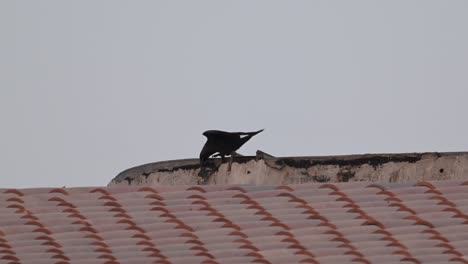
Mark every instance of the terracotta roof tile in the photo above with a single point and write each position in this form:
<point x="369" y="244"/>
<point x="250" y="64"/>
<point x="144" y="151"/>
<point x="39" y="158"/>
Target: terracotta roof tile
<point x="235" y="260"/>
<point x="338" y="259"/>
<point x="361" y="222"/>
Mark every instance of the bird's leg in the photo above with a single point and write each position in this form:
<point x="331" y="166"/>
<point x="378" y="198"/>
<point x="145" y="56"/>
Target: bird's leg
<point x="230" y="161"/>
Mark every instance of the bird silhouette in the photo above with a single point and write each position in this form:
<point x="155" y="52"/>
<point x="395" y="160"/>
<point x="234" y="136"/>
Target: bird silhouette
<point x="223" y="143"/>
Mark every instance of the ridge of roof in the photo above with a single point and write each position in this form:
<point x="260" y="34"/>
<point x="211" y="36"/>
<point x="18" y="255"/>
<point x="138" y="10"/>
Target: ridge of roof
<point x="394" y="167"/>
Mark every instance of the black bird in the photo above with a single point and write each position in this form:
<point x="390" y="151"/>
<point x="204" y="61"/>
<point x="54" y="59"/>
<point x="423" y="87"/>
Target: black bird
<point x="223" y="143"/>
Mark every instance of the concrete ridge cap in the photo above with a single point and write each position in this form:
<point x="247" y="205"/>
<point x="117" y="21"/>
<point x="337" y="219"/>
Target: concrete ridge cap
<point x="373" y="159"/>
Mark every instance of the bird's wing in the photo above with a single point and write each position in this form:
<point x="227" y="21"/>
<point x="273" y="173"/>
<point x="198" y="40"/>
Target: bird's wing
<point x="247" y="133"/>
<point x="216" y="134"/>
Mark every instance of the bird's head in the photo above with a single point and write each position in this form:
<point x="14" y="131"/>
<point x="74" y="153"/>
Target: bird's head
<point x="210" y="133"/>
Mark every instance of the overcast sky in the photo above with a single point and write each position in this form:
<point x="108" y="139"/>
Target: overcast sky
<point x="90" y="88"/>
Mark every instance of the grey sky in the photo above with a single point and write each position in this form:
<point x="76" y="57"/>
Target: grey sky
<point x="89" y="88"/>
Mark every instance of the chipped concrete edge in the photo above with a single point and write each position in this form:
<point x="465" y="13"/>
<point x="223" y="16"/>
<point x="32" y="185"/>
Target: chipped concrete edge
<point x="265" y="169"/>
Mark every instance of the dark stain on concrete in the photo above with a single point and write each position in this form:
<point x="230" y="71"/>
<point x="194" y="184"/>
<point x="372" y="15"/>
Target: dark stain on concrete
<point x="184" y="167"/>
<point x="211" y="164"/>
<point x="374" y="161"/>
<point x="345" y="175"/>
<point x="306" y="177"/>
<point x="129" y="179"/>
<point x="321" y="178"/>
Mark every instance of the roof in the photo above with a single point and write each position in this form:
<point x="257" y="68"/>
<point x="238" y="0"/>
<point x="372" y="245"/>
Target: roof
<point x="358" y="222"/>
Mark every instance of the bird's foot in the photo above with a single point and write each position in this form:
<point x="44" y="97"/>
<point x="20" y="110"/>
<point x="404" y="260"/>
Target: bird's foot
<point x="230" y="162"/>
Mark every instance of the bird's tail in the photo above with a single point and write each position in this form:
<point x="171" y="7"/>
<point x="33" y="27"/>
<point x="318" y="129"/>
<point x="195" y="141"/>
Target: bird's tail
<point x="249" y="135"/>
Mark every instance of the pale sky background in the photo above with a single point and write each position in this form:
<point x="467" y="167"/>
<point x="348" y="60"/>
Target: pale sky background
<point x="90" y="88"/>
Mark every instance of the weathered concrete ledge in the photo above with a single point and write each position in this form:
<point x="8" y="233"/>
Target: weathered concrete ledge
<point x="264" y="169"/>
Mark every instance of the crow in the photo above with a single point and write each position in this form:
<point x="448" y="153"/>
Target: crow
<point x="223" y="143"/>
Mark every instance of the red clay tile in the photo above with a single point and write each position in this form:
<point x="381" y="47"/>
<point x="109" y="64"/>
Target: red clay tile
<point x="325" y="223"/>
<point x="251" y="188"/>
<point x="306" y="186"/>
<point x="236" y="260"/>
<point x="451" y="189"/>
<point x="438" y="184"/>
<point x="364" y="191"/>
<point x="336" y="259"/>
<point x="226" y="201"/>
<point x="434" y="258"/>
<point x="364" y="198"/>
<point x="282" y="256"/>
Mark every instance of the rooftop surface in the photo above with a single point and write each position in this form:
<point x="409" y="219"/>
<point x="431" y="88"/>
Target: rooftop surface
<point x="354" y="222"/>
